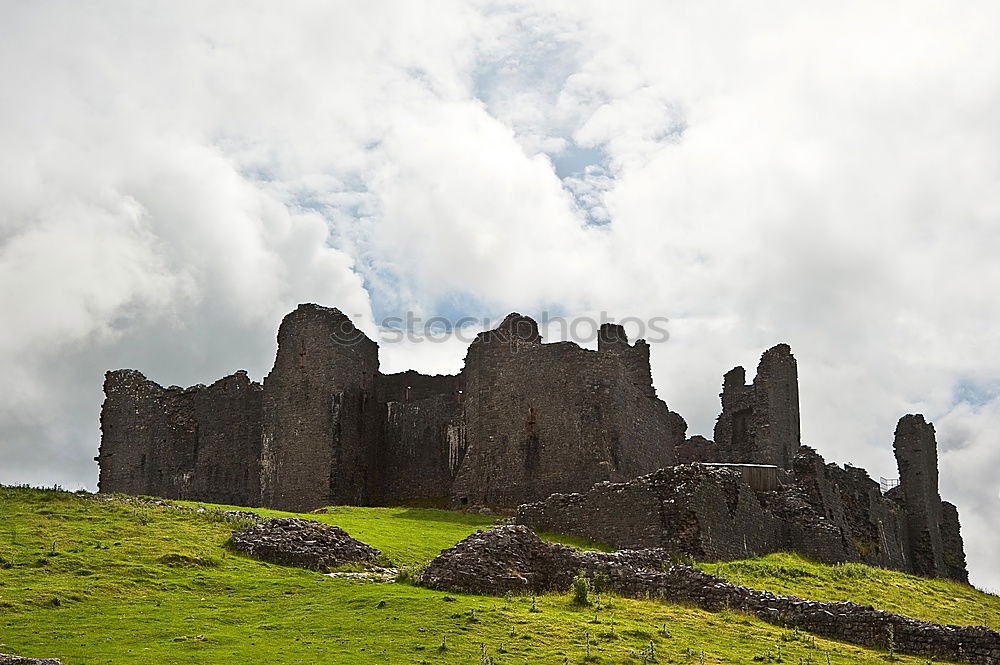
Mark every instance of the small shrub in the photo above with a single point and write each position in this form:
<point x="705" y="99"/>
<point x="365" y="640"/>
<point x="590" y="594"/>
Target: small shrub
<point x="176" y="560"/>
<point x="601" y="583"/>
<point x="679" y="559"/>
<point x="411" y="575"/>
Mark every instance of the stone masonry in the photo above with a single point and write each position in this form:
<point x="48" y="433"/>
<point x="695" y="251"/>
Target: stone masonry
<point x="579" y="436"/>
<point x="826" y="512"/>
<point x="522" y="420"/>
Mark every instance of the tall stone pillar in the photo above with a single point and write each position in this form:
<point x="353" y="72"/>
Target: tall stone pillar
<point x="915" y="447"/>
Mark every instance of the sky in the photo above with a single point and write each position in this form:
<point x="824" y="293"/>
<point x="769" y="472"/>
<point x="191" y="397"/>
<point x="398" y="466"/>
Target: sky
<point x="176" y="176"/>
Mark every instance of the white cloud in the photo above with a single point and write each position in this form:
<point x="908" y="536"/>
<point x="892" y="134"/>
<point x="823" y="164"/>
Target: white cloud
<point x="174" y="180"/>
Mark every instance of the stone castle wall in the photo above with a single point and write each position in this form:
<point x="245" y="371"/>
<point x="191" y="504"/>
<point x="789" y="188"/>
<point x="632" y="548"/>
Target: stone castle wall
<point x="524" y="422"/>
<point x="543" y="418"/>
<point x="825" y="512"/>
<point x="200" y="442"/>
<point x="320" y="427"/>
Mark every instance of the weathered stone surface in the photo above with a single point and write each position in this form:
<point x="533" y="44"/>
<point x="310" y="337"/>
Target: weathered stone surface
<point x="320" y="413"/>
<point x="512" y="558"/>
<point x="708" y="513"/>
<point x="543" y="418"/>
<point x="196" y="443"/>
<point x="8" y="659"/>
<point x="523" y="422"/>
<point x="825" y="512"/>
<point x="759" y="423"/>
<point x="297" y="542"/>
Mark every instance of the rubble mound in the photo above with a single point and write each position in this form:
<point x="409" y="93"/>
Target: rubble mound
<point x="513" y="558"/>
<point x="8" y="659"/>
<point x="292" y="541"/>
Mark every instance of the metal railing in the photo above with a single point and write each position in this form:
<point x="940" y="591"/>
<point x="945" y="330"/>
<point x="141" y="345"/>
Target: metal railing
<point x="888" y="483"/>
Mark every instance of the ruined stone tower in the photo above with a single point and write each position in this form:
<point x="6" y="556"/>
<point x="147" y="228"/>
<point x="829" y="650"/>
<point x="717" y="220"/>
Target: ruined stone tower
<point x="543" y="418"/>
<point x="932" y="525"/>
<point x="759" y="423"/>
<point x="320" y="424"/>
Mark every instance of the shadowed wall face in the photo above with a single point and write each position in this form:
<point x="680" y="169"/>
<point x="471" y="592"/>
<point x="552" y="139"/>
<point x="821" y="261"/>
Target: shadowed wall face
<point x="194" y="443"/>
<point x="320" y="413"/>
<point x="915" y="446"/>
<point x="759" y="423"/>
<point x="544" y="418"/>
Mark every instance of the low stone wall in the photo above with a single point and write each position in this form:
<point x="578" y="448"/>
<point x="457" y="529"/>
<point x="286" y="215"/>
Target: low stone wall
<point x="292" y="541"/>
<point x="512" y="558"/>
<point x="8" y="659"/>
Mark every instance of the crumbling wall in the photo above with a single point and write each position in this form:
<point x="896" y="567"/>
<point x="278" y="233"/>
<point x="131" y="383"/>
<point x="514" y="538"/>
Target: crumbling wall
<point x="954" y="547"/>
<point x="410" y="386"/>
<point x="708" y="513"/>
<point x="148" y="436"/>
<point x="422" y="440"/>
<point x="826" y="513"/>
<point x="872" y="525"/>
<point x="759" y="423"/>
<point x="544" y="418"/>
<point x="512" y="559"/>
<point x="227" y="460"/>
<point x="696" y="449"/>
<point x="194" y="443"/>
<point x="320" y="418"/>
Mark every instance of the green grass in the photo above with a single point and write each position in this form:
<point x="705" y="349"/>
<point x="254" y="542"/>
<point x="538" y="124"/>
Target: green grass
<point x="941" y="601"/>
<point x="96" y="581"/>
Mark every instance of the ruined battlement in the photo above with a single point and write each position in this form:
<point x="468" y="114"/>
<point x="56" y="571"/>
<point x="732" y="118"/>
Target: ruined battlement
<point x="521" y="420"/>
<point x="526" y="422"/>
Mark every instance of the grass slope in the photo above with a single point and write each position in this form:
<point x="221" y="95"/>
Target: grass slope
<point x="92" y="580"/>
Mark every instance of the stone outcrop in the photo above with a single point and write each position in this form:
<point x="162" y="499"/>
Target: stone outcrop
<point x="514" y="559"/>
<point x="304" y="543"/>
<point x="8" y="659"/>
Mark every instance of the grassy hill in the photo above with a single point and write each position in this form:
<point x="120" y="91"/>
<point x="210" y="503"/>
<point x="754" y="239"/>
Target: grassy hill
<point x="97" y="580"/>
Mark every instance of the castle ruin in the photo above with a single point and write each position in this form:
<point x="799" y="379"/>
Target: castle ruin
<point x="577" y="438"/>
